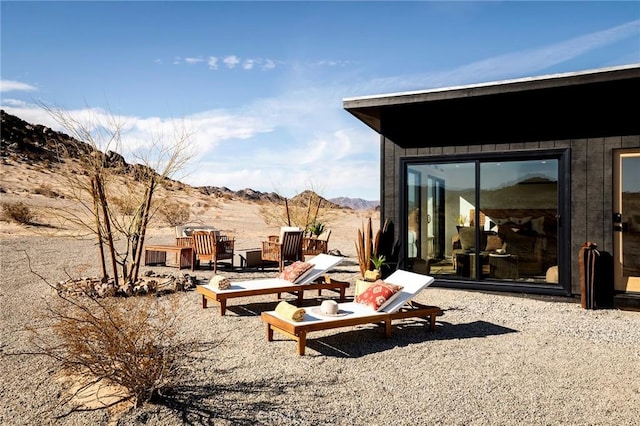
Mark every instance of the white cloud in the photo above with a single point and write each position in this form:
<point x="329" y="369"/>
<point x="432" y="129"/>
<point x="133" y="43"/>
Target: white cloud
<point x="248" y="64"/>
<point x="268" y="64"/>
<point x="231" y="61"/>
<point x="15" y="86"/>
<point x="304" y="136"/>
<point x="521" y="63"/>
<point x="193" y="60"/>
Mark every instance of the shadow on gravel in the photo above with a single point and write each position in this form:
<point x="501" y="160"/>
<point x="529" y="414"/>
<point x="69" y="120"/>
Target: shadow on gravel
<point x="366" y="340"/>
<point x="240" y="403"/>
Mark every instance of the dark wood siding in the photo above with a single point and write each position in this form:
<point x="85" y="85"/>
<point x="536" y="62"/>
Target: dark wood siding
<point x="591" y="184"/>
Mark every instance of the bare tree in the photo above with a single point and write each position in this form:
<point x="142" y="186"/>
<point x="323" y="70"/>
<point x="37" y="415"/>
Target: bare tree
<point x="114" y="201"/>
<point x="304" y="210"/>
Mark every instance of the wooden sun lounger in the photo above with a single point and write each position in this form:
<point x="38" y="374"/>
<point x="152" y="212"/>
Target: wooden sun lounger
<point x="311" y="281"/>
<point x="360" y="315"/>
<point x="356" y="314"/>
<point x="268" y="286"/>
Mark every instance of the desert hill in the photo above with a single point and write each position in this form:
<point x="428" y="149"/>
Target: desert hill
<point x="35" y="144"/>
<point x="32" y="173"/>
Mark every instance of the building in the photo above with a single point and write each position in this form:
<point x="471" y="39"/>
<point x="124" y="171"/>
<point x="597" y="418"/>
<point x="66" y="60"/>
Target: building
<point x="497" y="186"/>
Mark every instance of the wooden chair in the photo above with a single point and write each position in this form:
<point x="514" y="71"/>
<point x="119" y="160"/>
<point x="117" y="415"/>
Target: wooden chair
<point x="312" y="246"/>
<point x="208" y="247"/>
<point x="287" y="248"/>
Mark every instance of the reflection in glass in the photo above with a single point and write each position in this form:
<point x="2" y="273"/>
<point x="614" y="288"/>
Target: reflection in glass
<point x="511" y="236"/>
<point x="518" y="217"/>
<point x="439" y="199"/>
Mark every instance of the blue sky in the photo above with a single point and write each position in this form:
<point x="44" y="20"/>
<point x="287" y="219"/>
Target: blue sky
<point x="262" y="83"/>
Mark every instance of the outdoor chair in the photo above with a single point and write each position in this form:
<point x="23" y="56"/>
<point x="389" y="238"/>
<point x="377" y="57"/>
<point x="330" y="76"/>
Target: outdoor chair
<point x="210" y="248"/>
<point x="286" y="248"/>
<point x="316" y="245"/>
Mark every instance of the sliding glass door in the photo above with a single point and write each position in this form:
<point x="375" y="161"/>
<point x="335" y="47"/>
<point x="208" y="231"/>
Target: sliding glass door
<point x="490" y="219"/>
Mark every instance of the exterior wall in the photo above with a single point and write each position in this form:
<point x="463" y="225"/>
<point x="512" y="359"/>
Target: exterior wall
<point x="591" y="185"/>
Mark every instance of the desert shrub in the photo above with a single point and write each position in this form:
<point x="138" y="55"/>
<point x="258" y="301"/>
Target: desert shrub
<point x="18" y="212"/>
<point x="130" y="343"/>
<point x="125" y="205"/>
<point x="175" y="213"/>
<point x="304" y="210"/>
<point x="46" y="191"/>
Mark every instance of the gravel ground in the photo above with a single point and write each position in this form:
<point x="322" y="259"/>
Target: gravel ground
<point x="494" y="359"/>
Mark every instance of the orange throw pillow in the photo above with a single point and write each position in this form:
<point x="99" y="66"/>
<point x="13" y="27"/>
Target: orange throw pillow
<point x="377" y="294"/>
<point x="295" y="271"/>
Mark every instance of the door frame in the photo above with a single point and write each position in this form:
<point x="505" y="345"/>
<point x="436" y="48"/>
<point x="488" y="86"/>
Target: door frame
<point x="620" y="282"/>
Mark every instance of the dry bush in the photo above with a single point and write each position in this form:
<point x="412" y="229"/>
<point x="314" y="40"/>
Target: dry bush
<point x="304" y="210"/>
<point x="17" y="212"/>
<point x="47" y="191"/>
<point x="175" y="212"/>
<point x="126" y="206"/>
<point x="128" y="343"/>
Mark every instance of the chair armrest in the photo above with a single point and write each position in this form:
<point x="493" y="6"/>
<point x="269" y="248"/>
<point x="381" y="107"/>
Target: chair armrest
<point x="184" y="241"/>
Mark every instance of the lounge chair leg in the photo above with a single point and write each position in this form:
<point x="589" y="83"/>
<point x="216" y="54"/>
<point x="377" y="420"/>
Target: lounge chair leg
<point x="387" y="328"/>
<point x="223" y="306"/>
<point x="432" y="325"/>
<point x="204" y="302"/>
<point x="302" y="343"/>
<point x="269" y="333"/>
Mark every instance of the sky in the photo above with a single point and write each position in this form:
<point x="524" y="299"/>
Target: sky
<point x="260" y="85"/>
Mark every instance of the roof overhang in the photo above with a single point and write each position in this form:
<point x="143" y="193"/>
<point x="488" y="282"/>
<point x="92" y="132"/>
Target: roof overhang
<point x="586" y="104"/>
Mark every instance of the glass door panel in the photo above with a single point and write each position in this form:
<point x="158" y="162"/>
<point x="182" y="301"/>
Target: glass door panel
<point x="438" y="196"/>
<point x="518" y="218"/>
<point x="626" y="221"/>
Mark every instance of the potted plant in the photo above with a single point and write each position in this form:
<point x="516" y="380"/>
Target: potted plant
<point x="316" y="228"/>
<point x="378" y="261"/>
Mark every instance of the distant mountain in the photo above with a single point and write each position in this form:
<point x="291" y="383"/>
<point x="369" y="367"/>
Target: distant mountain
<point x="356" y="203"/>
<point x="33" y="144"/>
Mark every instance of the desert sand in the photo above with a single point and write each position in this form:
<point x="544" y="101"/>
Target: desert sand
<point x="493" y="359"/>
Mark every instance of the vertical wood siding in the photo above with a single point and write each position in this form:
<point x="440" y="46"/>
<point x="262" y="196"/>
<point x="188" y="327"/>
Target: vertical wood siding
<point x="591" y="185"/>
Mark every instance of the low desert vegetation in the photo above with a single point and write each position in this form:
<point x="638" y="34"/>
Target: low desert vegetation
<point x="47" y="191"/>
<point x="131" y="344"/>
<point x="18" y="212"/>
<point x="118" y="200"/>
<point x="175" y="212"/>
<point x="307" y="210"/>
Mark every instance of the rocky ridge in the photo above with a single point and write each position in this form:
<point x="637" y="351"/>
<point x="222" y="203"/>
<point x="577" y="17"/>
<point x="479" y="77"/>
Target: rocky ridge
<point x="27" y="143"/>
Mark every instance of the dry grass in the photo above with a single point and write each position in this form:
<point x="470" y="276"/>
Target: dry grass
<point x="126" y="343"/>
<point x="17" y="212"/>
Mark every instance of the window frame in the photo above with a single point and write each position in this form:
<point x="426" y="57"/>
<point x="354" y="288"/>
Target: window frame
<point x="563" y="156"/>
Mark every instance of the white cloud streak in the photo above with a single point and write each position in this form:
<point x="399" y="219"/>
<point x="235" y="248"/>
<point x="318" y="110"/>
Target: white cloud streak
<point x="522" y="63"/>
<point x="285" y="142"/>
<point x="15" y="86"/>
<point x="247" y="64"/>
<point x="231" y="61"/>
<point x="192" y="61"/>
